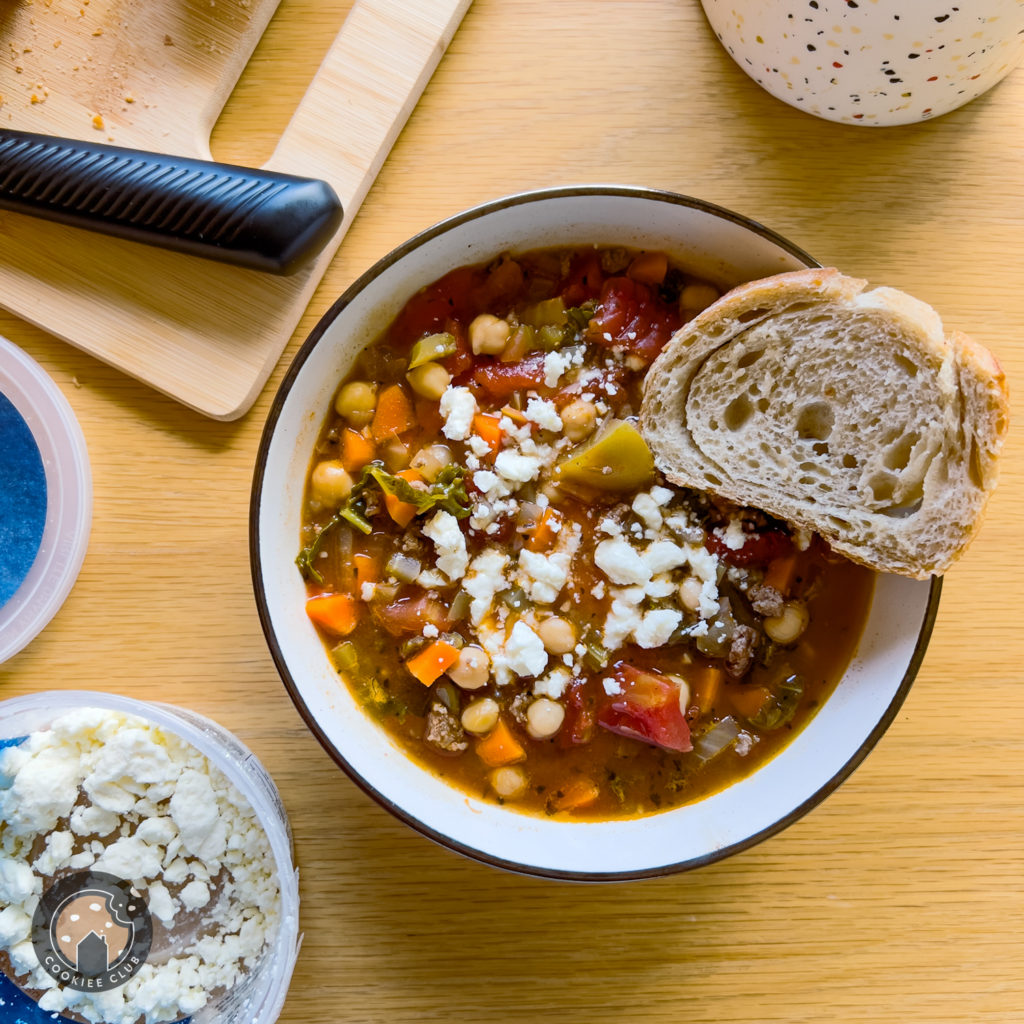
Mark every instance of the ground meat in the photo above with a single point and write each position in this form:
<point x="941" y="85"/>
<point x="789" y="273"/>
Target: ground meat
<point x="766" y="600"/>
<point x="444" y="731"/>
<point x="518" y="707"/>
<point x="742" y="648"/>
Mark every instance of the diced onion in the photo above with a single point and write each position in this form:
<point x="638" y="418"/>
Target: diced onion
<point x="721" y="735"/>
<point x="404" y="568"/>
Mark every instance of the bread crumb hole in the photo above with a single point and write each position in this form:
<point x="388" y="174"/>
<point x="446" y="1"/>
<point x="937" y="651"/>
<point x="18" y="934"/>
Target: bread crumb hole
<point x="762" y="405"/>
<point x="815" y="421"/>
<point x="882" y="486"/>
<point x="850" y="461"/>
<point x="749" y="359"/>
<point x="821" y="448"/>
<point x="898" y="454"/>
<point x="737" y="412"/>
<point x="906" y="365"/>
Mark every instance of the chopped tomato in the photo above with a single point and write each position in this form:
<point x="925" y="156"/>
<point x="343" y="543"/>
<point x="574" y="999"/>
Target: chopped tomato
<point x="580" y="716"/>
<point x="451" y="298"/>
<point x="503" y="379"/>
<point x="462" y="358"/>
<point x="758" y="548"/>
<point x="584" y="279"/>
<point x="408" y="615"/>
<point x="632" y="317"/>
<point x="647" y="709"/>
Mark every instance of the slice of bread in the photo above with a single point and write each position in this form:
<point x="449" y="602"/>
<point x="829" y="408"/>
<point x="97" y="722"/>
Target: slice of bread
<point x="842" y="410"/>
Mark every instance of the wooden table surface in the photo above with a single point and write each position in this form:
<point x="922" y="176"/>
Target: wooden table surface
<point x="901" y="898"/>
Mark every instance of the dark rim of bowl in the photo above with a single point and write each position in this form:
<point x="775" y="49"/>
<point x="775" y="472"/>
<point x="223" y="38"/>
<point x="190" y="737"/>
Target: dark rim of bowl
<point x="474" y="213"/>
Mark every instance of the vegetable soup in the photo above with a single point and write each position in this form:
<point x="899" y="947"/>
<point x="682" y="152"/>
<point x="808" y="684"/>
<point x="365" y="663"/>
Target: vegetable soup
<point x="509" y="586"/>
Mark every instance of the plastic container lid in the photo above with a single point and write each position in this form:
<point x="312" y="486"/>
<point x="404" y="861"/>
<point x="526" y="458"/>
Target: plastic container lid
<point x="45" y="499"/>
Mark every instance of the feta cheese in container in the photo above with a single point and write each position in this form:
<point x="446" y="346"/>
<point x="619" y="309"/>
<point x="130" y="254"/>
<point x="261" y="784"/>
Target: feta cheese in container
<point x="146" y="869"/>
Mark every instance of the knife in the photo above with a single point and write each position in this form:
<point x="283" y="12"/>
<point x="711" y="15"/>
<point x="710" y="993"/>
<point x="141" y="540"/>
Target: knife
<point x="257" y="219"/>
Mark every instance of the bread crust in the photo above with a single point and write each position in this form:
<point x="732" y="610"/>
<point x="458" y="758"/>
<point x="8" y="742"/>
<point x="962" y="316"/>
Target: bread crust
<point x="844" y="410"/>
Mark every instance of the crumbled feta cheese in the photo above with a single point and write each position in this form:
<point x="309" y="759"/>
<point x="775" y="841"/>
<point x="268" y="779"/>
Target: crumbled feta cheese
<point x="430" y="631"/>
<point x="544" y="575"/>
<point x="478" y="446"/>
<point x="490" y="484"/>
<point x="622" y="619"/>
<point x="610" y="527"/>
<point x="483" y="580"/>
<point x="611" y="686"/>
<point x="443" y="530"/>
<point x="657" y="626"/>
<point x="366" y="590"/>
<point x="662" y="495"/>
<point x="662" y="556"/>
<point x="543" y="413"/>
<point x="430" y="579"/>
<point x="517" y="468"/>
<point x="554" y="684"/>
<point x="648" y="510"/>
<point x="598" y="590"/>
<point x="703" y="563"/>
<point x="661" y="586"/>
<point x="733" y="535"/>
<point x="458" y="407"/>
<point x="524" y="651"/>
<point x="621" y="563"/>
<point x="555" y="364"/>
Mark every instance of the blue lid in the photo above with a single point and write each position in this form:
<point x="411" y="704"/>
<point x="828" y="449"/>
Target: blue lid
<point x="45" y="499"/>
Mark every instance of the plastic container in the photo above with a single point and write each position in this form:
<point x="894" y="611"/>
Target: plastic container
<point x="40" y="566"/>
<point x="259" y="996"/>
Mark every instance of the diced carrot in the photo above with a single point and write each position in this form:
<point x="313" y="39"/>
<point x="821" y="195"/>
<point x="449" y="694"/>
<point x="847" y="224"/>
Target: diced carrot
<point x="781" y="573"/>
<point x="489" y="428"/>
<point x="576" y="795"/>
<point x="434" y="659"/>
<point x="402" y="511"/>
<point x="337" y="613"/>
<point x="356" y="450"/>
<point x="544" y="533"/>
<point x="394" y="414"/>
<point x="705" y="684"/>
<point x="748" y="700"/>
<point x="648" y="268"/>
<point x="367" y="570"/>
<point x="499" y="747"/>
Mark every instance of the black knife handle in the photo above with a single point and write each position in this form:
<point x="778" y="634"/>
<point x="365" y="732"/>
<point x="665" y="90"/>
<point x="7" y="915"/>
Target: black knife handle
<point x="251" y="218"/>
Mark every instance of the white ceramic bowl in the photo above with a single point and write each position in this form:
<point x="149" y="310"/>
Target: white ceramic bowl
<point x="721" y="246"/>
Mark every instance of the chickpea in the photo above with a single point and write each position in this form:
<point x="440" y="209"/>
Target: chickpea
<point x="481" y="716"/>
<point x="557" y="635"/>
<point x="356" y="402"/>
<point x="473" y="668"/>
<point x="508" y="782"/>
<point x="787" y="626"/>
<point x="429" y="380"/>
<point x="689" y="593"/>
<point x="488" y="334"/>
<point x="697" y="296"/>
<point x="331" y="482"/>
<point x="544" y="718"/>
<point x="429" y="461"/>
<point x="579" y="419"/>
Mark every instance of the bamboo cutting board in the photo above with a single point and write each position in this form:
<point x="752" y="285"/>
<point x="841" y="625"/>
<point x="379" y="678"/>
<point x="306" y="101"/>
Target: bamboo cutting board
<point x="155" y="76"/>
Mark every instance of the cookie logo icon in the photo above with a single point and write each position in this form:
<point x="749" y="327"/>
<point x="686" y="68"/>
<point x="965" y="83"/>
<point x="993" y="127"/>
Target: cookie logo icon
<point x="91" y="931"/>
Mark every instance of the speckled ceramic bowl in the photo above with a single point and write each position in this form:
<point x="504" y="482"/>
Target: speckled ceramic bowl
<point x="872" y="62"/>
<point x="719" y="245"/>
